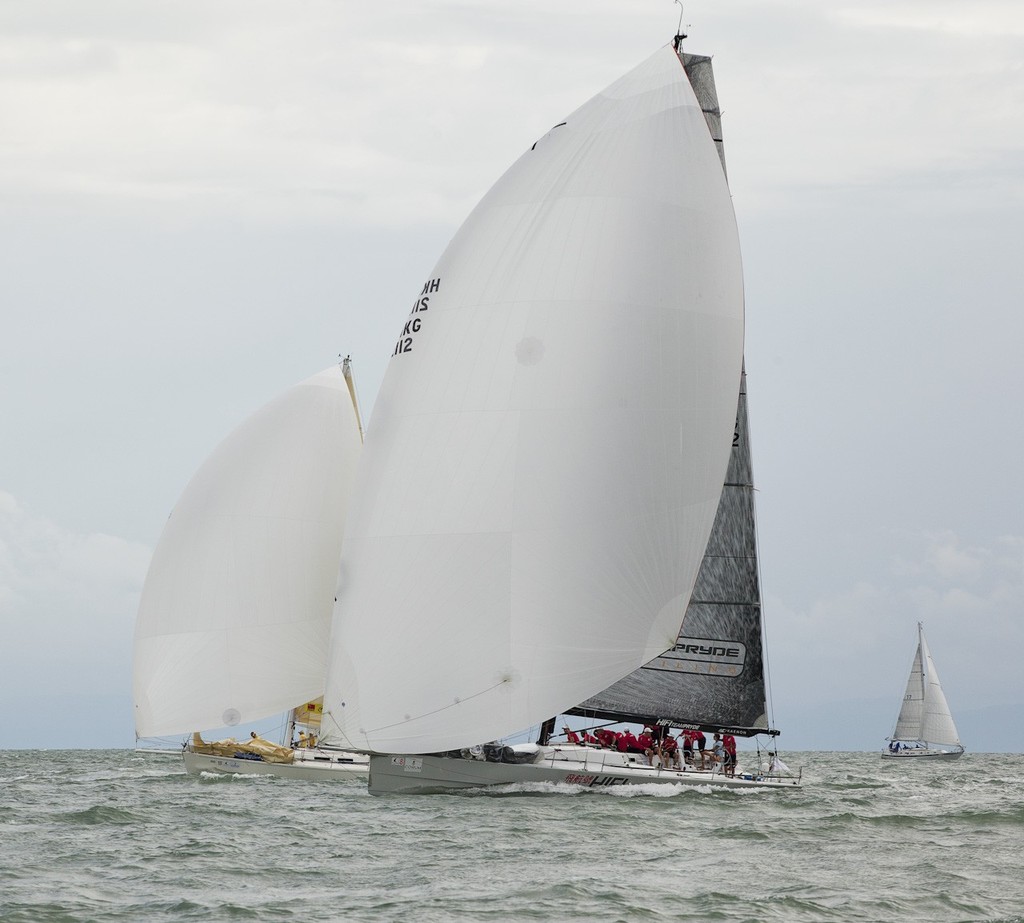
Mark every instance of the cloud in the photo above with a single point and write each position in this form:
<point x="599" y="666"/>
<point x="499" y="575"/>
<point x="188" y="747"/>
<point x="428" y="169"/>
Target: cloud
<point x="857" y="641"/>
<point x="981" y="588"/>
<point x="375" y="115"/>
<point x="67" y="606"/>
<point x="333" y="113"/>
<point x="944" y="558"/>
<point x="992" y="18"/>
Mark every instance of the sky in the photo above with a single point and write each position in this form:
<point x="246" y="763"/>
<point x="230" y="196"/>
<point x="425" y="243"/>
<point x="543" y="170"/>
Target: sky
<point x="204" y="203"/>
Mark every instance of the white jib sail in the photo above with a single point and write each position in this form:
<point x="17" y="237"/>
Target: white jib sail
<point x="235" y="612"/>
<point x="937" y="723"/>
<point x="548" y="447"/>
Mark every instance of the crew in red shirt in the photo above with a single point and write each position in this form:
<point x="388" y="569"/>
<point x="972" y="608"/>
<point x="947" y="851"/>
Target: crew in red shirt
<point x="688" y="746"/>
<point x="729" y="745"/>
<point x="627" y="743"/>
<point x="701" y="741"/>
<point x="670" y="752"/>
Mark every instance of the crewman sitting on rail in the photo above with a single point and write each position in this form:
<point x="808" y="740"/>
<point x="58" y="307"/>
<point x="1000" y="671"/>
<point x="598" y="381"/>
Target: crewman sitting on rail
<point x="670" y="753"/>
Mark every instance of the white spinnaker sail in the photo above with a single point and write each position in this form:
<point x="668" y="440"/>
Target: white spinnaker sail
<point x="547" y="450"/>
<point x="937" y="723"/>
<point x="235" y="612"/>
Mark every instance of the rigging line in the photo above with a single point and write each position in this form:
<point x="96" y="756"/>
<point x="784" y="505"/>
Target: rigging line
<point x="766" y="670"/>
<point x="437" y="711"/>
<point x="341" y="732"/>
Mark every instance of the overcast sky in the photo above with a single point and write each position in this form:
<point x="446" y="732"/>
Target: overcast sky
<point x="206" y="202"/>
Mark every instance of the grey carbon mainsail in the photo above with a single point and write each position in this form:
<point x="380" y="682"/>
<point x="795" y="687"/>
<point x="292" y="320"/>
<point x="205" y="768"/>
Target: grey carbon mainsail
<point x="702" y="79"/>
<point x="714" y="678"/>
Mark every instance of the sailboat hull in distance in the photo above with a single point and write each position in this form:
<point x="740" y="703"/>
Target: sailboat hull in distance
<point x="925" y="727"/>
<point x="311" y="766"/>
<point x="572" y="765"/>
<point x="235" y="612"/>
<point x="922" y="753"/>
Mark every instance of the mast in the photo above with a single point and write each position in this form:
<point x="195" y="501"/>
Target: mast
<point x="346" y="372"/>
<point x="922" y="651"/>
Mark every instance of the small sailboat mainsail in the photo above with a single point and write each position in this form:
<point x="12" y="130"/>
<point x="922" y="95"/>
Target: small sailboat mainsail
<point x="233" y="622"/>
<point x="925" y="725"/>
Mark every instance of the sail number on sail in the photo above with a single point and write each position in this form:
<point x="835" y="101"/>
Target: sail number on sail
<point x="415" y="324"/>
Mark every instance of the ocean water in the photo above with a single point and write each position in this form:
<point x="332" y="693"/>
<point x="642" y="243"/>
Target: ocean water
<point x="113" y="835"/>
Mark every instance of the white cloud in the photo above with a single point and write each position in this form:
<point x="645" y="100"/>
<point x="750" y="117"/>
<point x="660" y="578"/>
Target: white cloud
<point x="857" y="641"/>
<point x="377" y="114"/>
<point x="993" y="18"/>
<point x="944" y="558"/>
<point x="67" y="606"/>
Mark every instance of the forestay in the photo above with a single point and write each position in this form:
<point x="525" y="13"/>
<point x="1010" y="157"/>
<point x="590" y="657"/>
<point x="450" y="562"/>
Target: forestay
<point x="235" y="612"/>
<point x="547" y="451"/>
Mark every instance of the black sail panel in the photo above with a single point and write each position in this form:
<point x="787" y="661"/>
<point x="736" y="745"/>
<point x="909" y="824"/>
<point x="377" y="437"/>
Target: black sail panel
<point x="714" y="676"/>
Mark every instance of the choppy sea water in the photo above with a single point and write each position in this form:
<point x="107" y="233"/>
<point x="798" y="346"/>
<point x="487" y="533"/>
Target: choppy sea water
<point x="113" y="835"/>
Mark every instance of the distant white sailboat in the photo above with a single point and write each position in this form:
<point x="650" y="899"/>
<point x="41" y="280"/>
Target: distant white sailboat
<point x="535" y="500"/>
<point x="924" y="728"/>
<point x="235" y="613"/>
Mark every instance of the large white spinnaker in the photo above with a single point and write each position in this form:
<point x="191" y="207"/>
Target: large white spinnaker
<point x="548" y="448"/>
<point x="235" y="612"/>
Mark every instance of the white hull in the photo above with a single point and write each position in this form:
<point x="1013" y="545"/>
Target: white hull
<point x="560" y="765"/>
<point x="315" y="765"/>
<point x="922" y="753"/>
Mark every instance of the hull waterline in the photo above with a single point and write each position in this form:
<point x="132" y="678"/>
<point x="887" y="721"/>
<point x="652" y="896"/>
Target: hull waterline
<point x="560" y="766"/>
<point x="313" y="765"/>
